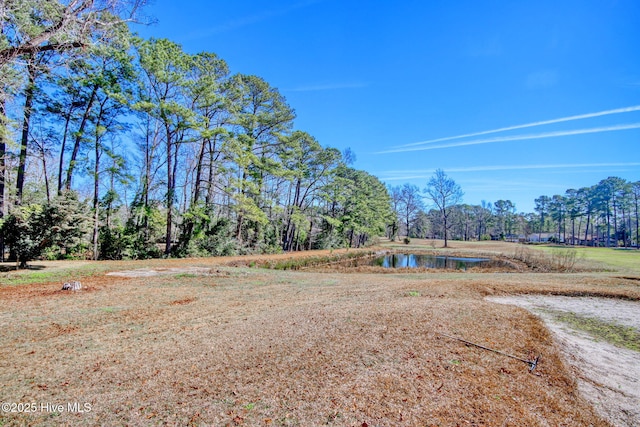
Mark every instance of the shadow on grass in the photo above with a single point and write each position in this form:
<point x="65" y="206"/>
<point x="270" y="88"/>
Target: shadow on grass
<point x="6" y="267"/>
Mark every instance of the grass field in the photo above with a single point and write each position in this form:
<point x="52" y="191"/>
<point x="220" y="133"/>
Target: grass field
<point x="613" y="258"/>
<point x="249" y="346"/>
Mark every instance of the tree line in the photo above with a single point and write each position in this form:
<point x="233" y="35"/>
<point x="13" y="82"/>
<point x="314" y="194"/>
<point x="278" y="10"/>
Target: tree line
<point x="113" y="146"/>
<point x="605" y="214"/>
<point x="149" y="150"/>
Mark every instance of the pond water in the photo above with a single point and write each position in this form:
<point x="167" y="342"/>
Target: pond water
<point x="428" y="261"/>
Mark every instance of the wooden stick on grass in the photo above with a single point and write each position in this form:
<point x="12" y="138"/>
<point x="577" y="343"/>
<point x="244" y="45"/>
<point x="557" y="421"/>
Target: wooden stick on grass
<point x="532" y="363"/>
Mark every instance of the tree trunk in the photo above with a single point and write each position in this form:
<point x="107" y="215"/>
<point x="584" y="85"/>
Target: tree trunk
<point x="46" y="175"/>
<point x="290" y="233"/>
<point x="586" y="231"/>
<point x="615" y="222"/>
<point x="96" y="186"/>
<point x="196" y="184"/>
<point x="309" y="242"/>
<point x="3" y="148"/>
<point x="608" y="225"/>
<point x="624" y="227"/>
<point x="79" y="135"/>
<point x="579" y="228"/>
<point x="444" y="220"/>
<point x="213" y="157"/>
<point x="63" y="145"/>
<point x="288" y="228"/>
<point x="188" y="226"/>
<point x="96" y="190"/>
<point x="170" y="193"/>
<point x="146" y="184"/>
<point x="635" y="196"/>
<point x="240" y="218"/>
<point x="28" y="105"/>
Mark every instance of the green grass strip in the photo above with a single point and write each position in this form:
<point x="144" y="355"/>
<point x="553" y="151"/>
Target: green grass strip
<point x="619" y="335"/>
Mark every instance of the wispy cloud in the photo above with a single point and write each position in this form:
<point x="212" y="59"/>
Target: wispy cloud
<point x="328" y="86"/>
<point x="528" y="125"/>
<point x="515" y="138"/>
<point x="495" y="185"/>
<point x="425" y="173"/>
<point x="249" y="20"/>
<point x="544" y="166"/>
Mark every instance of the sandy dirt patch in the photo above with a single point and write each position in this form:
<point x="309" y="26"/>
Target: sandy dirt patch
<point x="608" y="376"/>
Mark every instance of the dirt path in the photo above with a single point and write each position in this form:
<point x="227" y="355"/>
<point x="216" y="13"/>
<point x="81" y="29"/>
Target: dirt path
<point x="608" y="376"/>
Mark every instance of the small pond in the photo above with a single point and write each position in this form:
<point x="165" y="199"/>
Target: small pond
<point x="428" y="261"/>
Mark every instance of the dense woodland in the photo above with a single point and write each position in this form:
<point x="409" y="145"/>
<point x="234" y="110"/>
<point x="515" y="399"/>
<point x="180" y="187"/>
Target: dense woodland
<point x="113" y="146"/>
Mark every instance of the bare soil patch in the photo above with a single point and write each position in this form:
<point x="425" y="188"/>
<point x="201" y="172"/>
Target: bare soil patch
<point x="608" y="376"/>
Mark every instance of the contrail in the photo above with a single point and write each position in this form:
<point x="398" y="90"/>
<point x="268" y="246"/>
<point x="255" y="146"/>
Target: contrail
<point x="413" y="174"/>
<point x="516" y="138"/>
<point x="528" y="125"/>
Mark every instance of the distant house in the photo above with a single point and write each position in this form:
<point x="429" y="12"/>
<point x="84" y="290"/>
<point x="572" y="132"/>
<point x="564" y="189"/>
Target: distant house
<point x="544" y="238"/>
<point x="515" y="238"/>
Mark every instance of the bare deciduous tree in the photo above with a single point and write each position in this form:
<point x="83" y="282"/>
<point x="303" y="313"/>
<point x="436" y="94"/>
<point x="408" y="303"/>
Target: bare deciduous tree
<point x="445" y="193"/>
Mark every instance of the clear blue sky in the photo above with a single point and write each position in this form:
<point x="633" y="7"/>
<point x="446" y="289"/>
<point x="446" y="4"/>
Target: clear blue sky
<point x="379" y="75"/>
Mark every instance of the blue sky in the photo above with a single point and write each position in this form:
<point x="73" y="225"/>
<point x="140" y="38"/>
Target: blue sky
<point x="401" y="83"/>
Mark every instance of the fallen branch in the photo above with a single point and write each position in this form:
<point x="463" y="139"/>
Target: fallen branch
<point x="532" y="363"/>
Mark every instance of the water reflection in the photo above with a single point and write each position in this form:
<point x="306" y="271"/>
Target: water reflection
<point x="428" y="261"/>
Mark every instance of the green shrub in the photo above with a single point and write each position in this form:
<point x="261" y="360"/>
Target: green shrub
<point x="55" y="228"/>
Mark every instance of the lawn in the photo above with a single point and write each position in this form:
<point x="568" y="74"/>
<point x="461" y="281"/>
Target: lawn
<point x="620" y="259"/>
<point x="251" y="346"/>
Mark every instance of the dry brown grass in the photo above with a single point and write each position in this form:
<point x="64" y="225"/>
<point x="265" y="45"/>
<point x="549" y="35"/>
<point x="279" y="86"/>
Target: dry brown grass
<point x="261" y="347"/>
